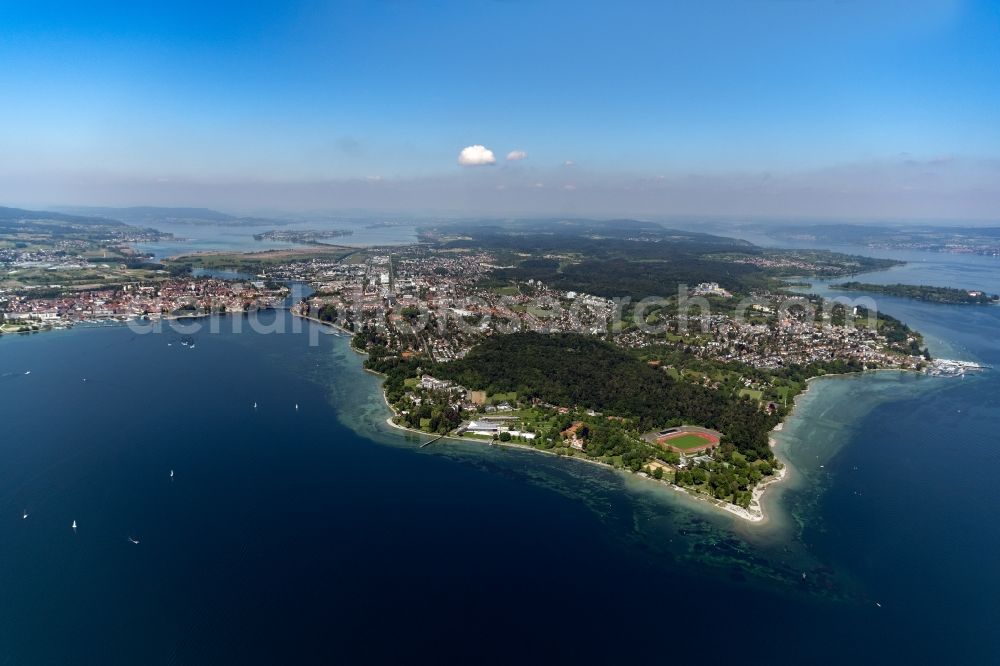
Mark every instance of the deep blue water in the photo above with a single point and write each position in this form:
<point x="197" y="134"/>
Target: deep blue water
<point x="314" y="535"/>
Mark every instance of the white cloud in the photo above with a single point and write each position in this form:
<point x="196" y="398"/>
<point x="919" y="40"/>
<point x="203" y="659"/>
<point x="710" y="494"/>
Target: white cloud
<point x="569" y="188"/>
<point x="568" y="163"/>
<point x="516" y="156"/>
<point x="476" y="156"/>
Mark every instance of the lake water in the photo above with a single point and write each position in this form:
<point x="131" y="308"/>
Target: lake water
<point x="191" y="238"/>
<point x="318" y="534"/>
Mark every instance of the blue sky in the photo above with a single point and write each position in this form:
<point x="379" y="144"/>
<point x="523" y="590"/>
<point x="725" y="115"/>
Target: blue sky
<point x="860" y="108"/>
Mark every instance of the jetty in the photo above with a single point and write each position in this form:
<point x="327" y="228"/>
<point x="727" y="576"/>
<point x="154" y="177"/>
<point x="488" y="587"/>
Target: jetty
<point x="431" y="441"/>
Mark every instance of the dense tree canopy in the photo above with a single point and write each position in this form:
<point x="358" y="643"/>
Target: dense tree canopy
<point x="575" y="370"/>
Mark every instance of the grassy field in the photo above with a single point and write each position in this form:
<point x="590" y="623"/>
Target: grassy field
<point x="497" y="398"/>
<point x="93" y="277"/>
<point x="241" y="260"/>
<point x="685" y="442"/>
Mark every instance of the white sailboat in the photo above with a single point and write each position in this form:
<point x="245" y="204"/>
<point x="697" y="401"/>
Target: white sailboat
<point x="25" y="516"/>
<point x="74" y="524"/>
<point x="134" y="540"/>
<point x="255" y="405"/>
<point x="296" y="406"/>
<point x="171" y="474"/>
<point x="27" y="372"/>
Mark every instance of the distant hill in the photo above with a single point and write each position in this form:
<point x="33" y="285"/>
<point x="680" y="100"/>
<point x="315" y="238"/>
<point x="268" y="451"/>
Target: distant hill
<point x="152" y="215"/>
<point x="10" y="215"/>
<point x="907" y="236"/>
<point x="581" y="235"/>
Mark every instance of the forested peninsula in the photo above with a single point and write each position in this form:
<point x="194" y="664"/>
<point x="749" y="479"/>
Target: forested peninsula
<point x="926" y="293"/>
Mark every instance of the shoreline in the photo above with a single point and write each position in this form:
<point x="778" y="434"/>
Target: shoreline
<point x="758" y="491"/>
<point x="719" y="504"/>
<point x="753" y="514"/>
<point x="126" y="320"/>
<point x="296" y="313"/>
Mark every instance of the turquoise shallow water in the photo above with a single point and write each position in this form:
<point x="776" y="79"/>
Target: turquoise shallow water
<point x="317" y="534"/>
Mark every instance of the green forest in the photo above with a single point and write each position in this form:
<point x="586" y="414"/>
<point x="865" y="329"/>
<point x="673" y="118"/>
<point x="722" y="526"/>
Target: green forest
<point x="923" y="293"/>
<point x="629" y="258"/>
<point x="574" y="370"/>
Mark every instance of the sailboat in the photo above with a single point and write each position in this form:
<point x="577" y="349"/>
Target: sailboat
<point x="74" y="524"/>
<point x="24" y="516"/>
<point x="255" y="405"/>
<point x="27" y="372"/>
<point x="171" y="474"/>
<point x="134" y="540"/>
<point x="296" y="406"/>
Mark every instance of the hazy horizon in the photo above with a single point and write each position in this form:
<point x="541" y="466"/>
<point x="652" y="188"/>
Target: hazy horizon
<point x="680" y="221"/>
<point x="823" y="109"/>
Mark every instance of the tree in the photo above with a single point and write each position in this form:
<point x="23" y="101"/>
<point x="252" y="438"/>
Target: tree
<point x="327" y="313"/>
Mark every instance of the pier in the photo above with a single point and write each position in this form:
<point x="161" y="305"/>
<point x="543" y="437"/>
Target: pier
<point x="431" y="441"/>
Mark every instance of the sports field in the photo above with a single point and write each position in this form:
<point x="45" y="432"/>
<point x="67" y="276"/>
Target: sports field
<point x="687" y="441"/>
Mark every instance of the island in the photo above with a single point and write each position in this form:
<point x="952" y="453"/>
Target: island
<point x="173" y="216"/>
<point x="924" y="293"/>
<point x="305" y="236"/>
